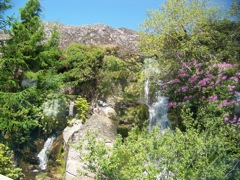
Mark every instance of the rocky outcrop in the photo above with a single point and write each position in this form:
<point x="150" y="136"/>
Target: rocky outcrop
<point x="122" y="39"/>
<point x="98" y="122"/>
<point x="97" y="34"/>
<point x="4" y="177"/>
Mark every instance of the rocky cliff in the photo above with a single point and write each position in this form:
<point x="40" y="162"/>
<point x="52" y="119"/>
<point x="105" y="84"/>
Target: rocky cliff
<point x="97" y="34"/>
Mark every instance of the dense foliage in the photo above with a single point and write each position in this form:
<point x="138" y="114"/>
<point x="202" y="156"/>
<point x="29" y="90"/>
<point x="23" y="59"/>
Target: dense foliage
<point x="6" y="163"/>
<point x="197" y="84"/>
<point x="82" y="107"/>
<point x="4" y="5"/>
<point x="195" y="46"/>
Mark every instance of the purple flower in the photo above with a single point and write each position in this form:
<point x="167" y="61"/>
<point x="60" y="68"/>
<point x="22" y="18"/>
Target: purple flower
<point x="184" y="89"/>
<point x="203" y="97"/>
<point x="198" y="64"/>
<point x="226" y="103"/>
<point x="224" y="77"/>
<point x="182" y="74"/>
<point x="235" y="117"/>
<point x="212" y="98"/>
<point x="193" y="79"/>
<point x="231" y="88"/>
<point x="212" y="84"/>
<point x="170" y="105"/>
<point x="204" y="89"/>
<point x="200" y="72"/>
<point x="218" y="81"/>
<point x="226" y="119"/>
<point x="175" y="81"/>
<point x="203" y="82"/>
<point x="165" y="86"/>
<point x="185" y="97"/>
<point x="234" y="79"/>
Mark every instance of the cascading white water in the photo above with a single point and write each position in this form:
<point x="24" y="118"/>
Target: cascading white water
<point x="158" y="114"/>
<point x="43" y="154"/>
<point x="71" y="106"/>
<point x="154" y="100"/>
<point x="51" y="108"/>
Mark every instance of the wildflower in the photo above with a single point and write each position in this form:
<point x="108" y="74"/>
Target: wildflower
<point x="226" y="119"/>
<point x="193" y="79"/>
<point x="231" y="88"/>
<point x="203" y="82"/>
<point x="226" y="103"/>
<point x="165" y="86"/>
<point x="212" y="84"/>
<point x="235" y="117"/>
<point x="184" y="89"/>
<point x="175" y="81"/>
<point x="182" y="74"/>
<point x="198" y="64"/>
<point x="203" y="97"/>
<point x="212" y="98"/>
<point x="224" y="77"/>
<point x="234" y="79"/>
<point x="170" y="105"/>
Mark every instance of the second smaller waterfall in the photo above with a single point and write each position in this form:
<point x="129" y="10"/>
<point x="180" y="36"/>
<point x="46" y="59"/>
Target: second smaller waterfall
<point x="43" y="155"/>
<point x="71" y="106"/>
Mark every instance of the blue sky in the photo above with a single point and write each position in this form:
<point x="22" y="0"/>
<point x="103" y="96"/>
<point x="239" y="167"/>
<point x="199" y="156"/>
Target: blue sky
<point x="115" y="13"/>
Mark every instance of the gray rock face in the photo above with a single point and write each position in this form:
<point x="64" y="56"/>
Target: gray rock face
<point x="123" y="39"/>
<point x="4" y="177"/>
<point x="98" y="122"/>
<point x="97" y="34"/>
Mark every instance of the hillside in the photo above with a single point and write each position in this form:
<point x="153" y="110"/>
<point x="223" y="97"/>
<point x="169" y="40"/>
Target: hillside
<point x="97" y="34"/>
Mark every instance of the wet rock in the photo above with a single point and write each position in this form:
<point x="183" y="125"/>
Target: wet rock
<point x="98" y="122"/>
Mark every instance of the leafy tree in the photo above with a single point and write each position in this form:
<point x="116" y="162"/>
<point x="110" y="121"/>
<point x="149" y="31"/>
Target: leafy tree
<point x="82" y="63"/>
<point x="114" y="72"/>
<point x="192" y="154"/>
<point x="6" y="163"/>
<point x="28" y="56"/>
<point x="190" y="29"/>
<point x="80" y="66"/>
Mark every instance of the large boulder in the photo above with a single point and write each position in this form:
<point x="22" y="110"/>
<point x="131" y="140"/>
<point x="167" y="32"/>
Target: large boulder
<point x="2" y="177"/>
<point x="98" y="122"/>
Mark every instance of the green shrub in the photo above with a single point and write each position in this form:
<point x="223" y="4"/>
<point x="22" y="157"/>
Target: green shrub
<point x="6" y="164"/>
<point x="82" y="106"/>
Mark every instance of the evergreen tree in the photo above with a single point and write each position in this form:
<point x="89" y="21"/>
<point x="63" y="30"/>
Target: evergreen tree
<point x="4" y="5"/>
<point x="27" y="56"/>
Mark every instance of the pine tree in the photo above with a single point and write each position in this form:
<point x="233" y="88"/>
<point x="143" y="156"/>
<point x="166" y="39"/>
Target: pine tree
<point x="27" y="56"/>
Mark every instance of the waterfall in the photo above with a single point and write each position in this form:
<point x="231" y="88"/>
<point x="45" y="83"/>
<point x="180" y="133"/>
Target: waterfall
<point x="71" y="106"/>
<point x="153" y="98"/>
<point x="51" y="108"/>
<point x="43" y="154"/>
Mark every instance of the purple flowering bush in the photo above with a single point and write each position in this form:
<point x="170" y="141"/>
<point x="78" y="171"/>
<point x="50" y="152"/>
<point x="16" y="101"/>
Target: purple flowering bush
<point x="197" y="84"/>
